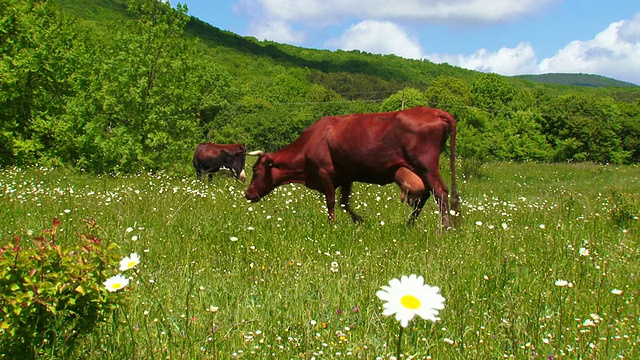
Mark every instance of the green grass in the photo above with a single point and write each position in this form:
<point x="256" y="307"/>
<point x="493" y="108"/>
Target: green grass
<point x="271" y="293"/>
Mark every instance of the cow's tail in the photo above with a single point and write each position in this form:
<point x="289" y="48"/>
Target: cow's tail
<point x="455" y="195"/>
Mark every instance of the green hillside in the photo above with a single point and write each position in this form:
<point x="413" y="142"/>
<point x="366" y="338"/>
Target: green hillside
<point x="383" y="72"/>
<point x="386" y="71"/>
<point x="120" y="85"/>
<point x="577" y="80"/>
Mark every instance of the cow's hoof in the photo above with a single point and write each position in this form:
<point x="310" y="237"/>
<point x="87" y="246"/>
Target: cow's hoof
<point x="357" y="219"/>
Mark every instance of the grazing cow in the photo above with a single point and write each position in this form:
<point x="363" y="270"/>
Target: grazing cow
<point x="371" y="148"/>
<point x="210" y="158"/>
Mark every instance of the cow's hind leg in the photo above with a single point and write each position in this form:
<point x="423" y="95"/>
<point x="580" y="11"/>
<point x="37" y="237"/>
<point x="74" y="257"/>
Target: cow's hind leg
<point x="345" y="194"/>
<point x="413" y="190"/>
<point x="441" y="193"/>
<point x="418" y="204"/>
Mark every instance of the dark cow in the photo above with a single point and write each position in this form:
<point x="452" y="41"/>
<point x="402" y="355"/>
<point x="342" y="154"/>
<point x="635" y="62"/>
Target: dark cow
<point x="380" y="148"/>
<point x="210" y="158"/>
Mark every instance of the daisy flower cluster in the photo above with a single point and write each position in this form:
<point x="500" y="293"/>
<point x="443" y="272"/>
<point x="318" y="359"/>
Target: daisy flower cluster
<point x="119" y="281"/>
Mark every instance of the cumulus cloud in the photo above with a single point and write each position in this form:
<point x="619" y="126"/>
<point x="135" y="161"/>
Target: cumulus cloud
<point x="407" y="10"/>
<point x="277" y="31"/>
<point x="506" y="61"/>
<point x="615" y="52"/>
<point x="378" y="37"/>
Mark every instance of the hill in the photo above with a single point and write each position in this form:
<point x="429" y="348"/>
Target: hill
<point x="124" y="85"/>
<point x="588" y="80"/>
<point x="384" y="72"/>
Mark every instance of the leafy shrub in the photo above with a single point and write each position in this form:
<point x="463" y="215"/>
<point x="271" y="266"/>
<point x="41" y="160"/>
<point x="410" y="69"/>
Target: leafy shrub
<point x="52" y="295"/>
<point x="404" y="99"/>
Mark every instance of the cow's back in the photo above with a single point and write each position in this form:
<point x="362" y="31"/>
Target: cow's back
<point x="371" y="147"/>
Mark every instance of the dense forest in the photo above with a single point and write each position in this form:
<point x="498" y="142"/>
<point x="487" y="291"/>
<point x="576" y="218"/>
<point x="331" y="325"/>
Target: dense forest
<point x="111" y="86"/>
<point x="577" y="79"/>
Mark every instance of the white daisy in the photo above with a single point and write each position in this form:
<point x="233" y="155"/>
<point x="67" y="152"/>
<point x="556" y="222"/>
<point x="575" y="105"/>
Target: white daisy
<point x="116" y="283"/>
<point x="129" y="261"/>
<point x="408" y="297"/>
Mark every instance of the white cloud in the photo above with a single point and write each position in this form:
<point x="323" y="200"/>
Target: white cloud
<point x="506" y="61"/>
<point x="277" y="31"/>
<point x="615" y="52"/>
<point x="409" y="10"/>
<point x="378" y="37"/>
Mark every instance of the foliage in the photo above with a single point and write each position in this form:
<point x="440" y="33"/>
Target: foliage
<point x="36" y="71"/>
<point x="492" y="93"/>
<point x="517" y="137"/>
<point x="148" y="97"/>
<point x="52" y="295"/>
<point x="629" y="129"/>
<point x="584" y="128"/>
<point x="135" y="101"/>
<point x="112" y="86"/>
<point x="355" y="86"/>
<point x="577" y="79"/>
<point x="404" y="99"/>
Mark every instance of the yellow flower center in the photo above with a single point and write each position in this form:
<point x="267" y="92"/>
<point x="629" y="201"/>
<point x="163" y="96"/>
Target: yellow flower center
<point x="116" y="286"/>
<point x="131" y="264"/>
<point x="410" y="302"/>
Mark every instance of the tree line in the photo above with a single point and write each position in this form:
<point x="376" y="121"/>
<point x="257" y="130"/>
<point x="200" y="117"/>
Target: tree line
<point x="135" y="93"/>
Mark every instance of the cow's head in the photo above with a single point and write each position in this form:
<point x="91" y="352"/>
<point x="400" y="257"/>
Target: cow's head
<point x="262" y="182"/>
<point x="235" y="161"/>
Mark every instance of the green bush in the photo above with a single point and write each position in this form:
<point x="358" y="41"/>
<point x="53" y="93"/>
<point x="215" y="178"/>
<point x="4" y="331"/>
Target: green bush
<point x="52" y="295"/>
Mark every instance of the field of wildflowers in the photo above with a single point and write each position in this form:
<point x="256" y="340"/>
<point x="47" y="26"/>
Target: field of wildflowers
<point x="544" y="263"/>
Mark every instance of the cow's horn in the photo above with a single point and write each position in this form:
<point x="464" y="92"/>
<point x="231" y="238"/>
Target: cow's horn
<point x="256" y="153"/>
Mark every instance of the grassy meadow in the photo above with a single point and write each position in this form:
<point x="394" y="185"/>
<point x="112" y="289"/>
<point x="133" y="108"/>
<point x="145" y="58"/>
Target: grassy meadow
<point x="544" y="263"/>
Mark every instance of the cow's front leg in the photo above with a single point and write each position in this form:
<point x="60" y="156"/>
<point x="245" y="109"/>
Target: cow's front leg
<point x="344" y="201"/>
<point x="330" y="196"/>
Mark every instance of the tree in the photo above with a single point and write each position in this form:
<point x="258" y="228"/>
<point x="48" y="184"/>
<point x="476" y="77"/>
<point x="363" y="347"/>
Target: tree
<point x="491" y="93"/>
<point x="147" y="94"/>
<point x="629" y="130"/>
<point x="36" y="75"/>
<point x="517" y="137"/>
<point x="404" y="99"/>
<point x="454" y="96"/>
<point x="584" y="128"/>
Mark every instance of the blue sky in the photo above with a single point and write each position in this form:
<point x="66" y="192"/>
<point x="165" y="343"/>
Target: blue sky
<point x="508" y="37"/>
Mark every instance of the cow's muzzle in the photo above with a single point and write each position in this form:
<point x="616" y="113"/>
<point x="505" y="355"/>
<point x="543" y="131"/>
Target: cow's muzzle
<point x="252" y="196"/>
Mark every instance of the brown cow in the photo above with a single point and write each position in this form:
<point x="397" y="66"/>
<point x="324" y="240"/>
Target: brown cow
<point x="209" y="158"/>
<point x="371" y="148"/>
